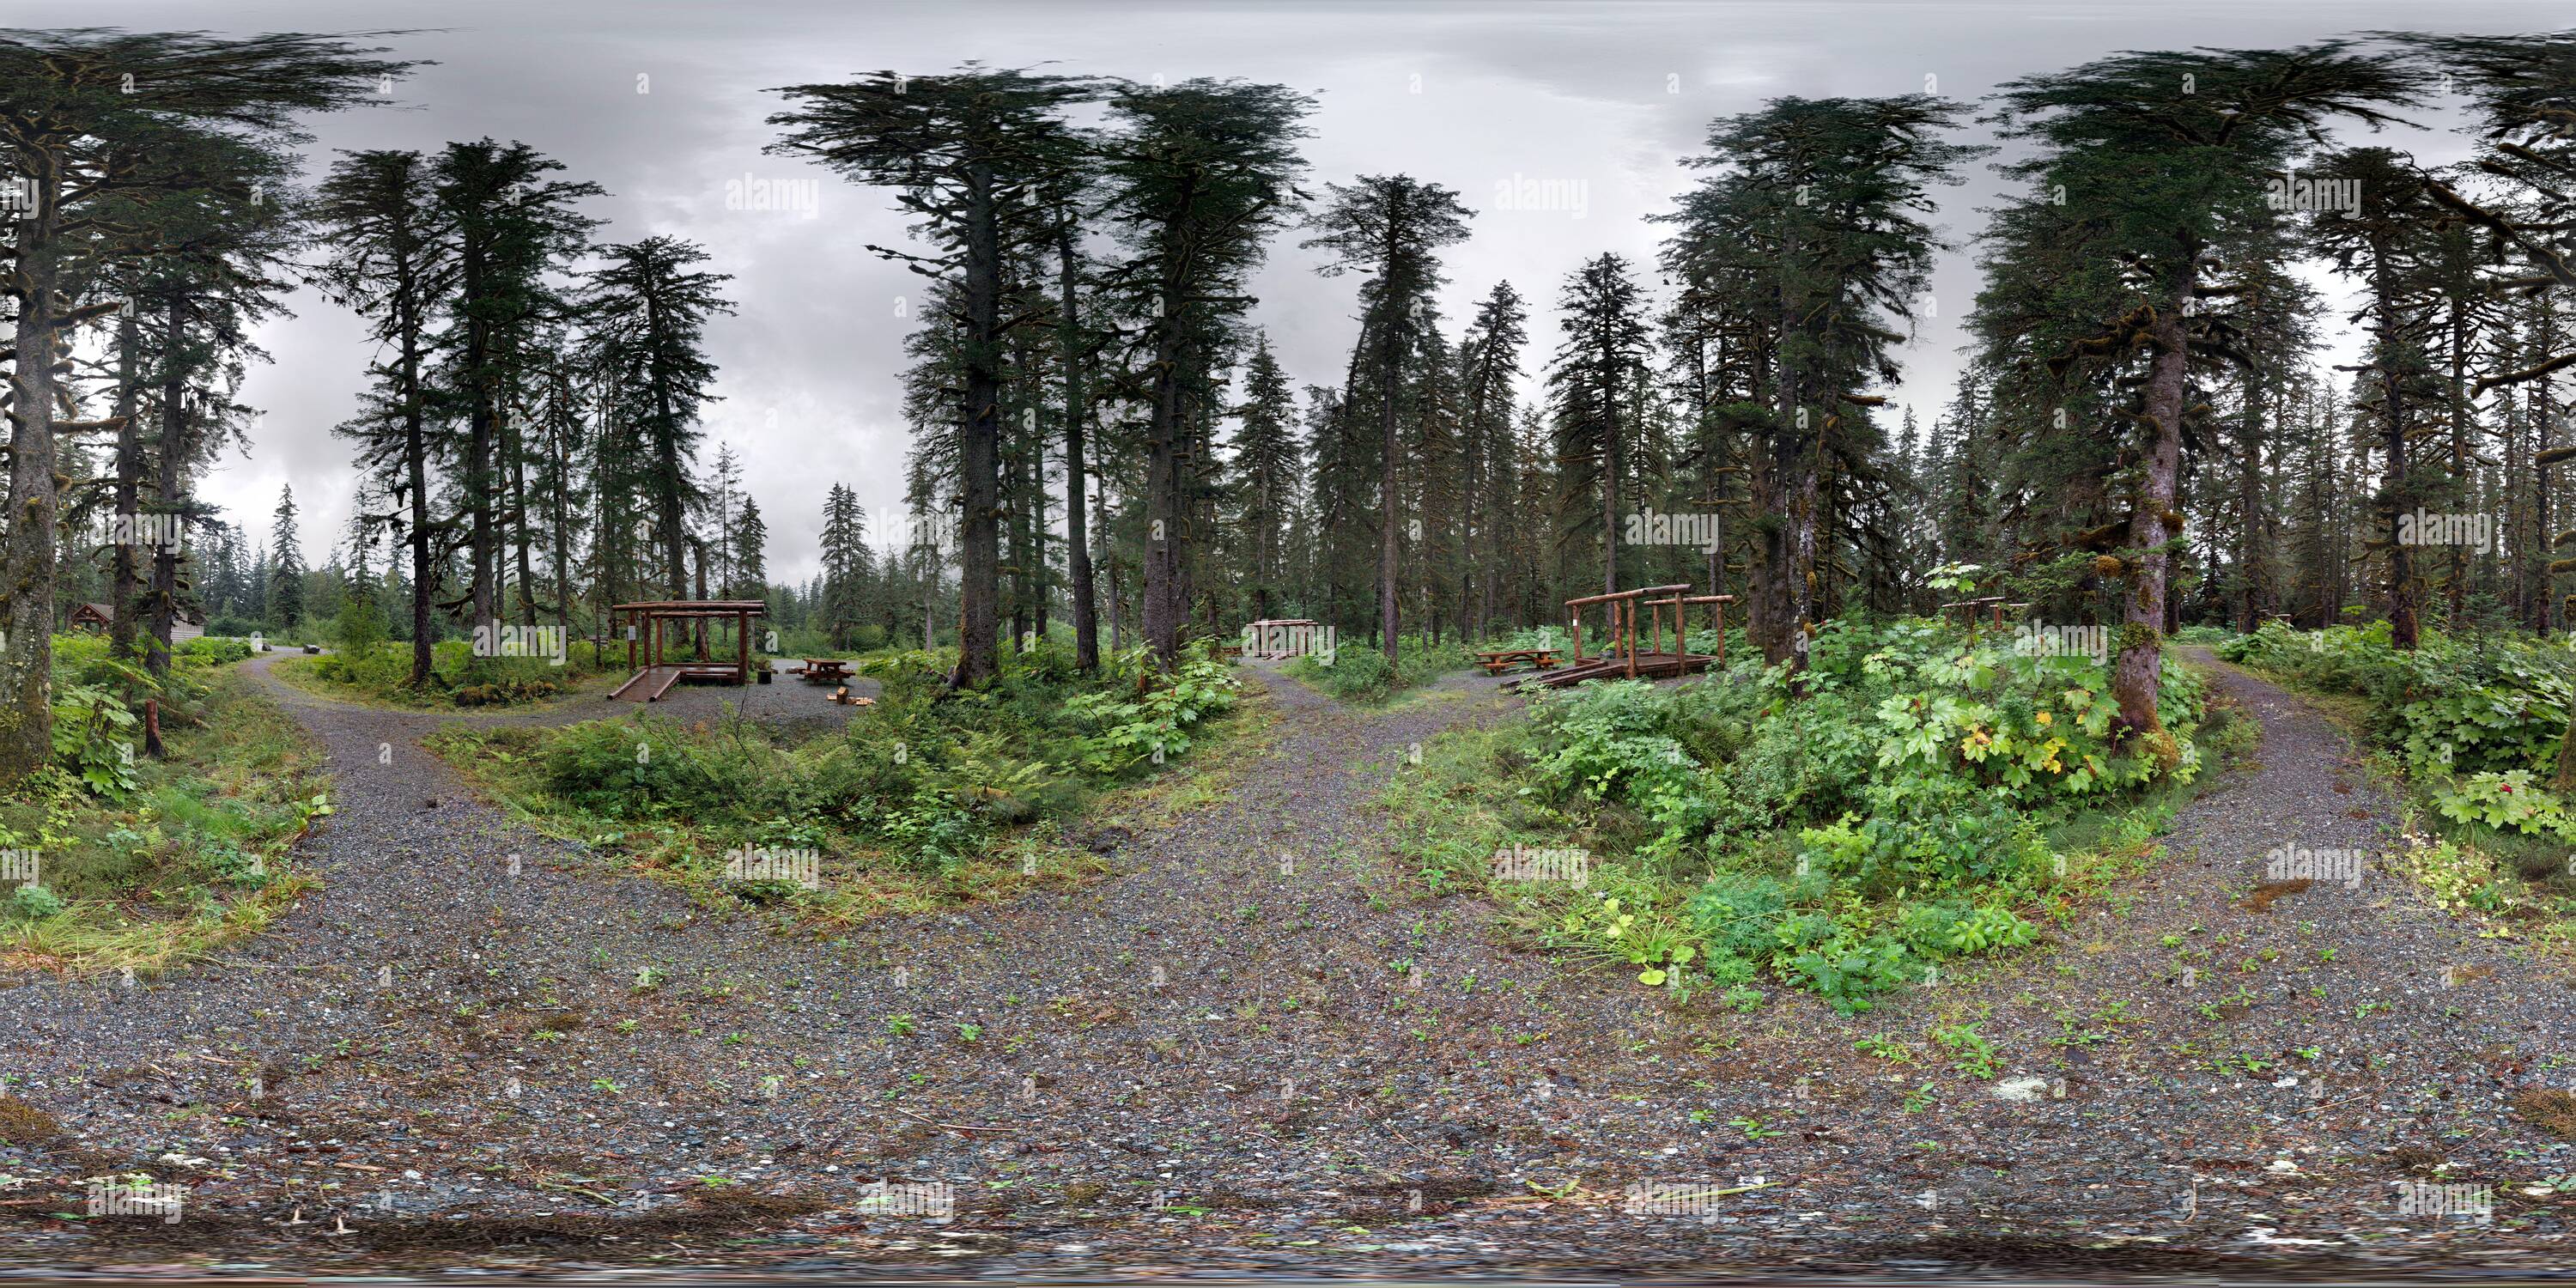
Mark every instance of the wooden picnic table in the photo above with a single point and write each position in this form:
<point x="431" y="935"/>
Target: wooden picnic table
<point x="1497" y="661"/>
<point x="825" y="668"/>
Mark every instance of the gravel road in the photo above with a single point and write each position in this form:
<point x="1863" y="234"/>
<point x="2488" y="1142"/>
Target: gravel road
<point x="1218" y="1058"/>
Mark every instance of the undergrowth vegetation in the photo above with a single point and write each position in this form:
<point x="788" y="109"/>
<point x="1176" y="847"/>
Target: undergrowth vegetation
<point x="1358" y="672"/>
<point x="2476" y="723"/>
<point x="124" y="860"/>
<point x="1911" y="798"/>
<point x="381" y="672"/>
<point x="924" y="797"/>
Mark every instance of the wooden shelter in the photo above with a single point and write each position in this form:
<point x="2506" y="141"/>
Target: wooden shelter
<point x="1625" y="660"/>
<point x="185" y="625"/>
<point x="657" y="665"/>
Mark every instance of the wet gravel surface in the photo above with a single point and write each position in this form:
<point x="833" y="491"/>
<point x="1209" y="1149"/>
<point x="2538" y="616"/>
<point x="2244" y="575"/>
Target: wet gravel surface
<point x="1218" y="1058"/>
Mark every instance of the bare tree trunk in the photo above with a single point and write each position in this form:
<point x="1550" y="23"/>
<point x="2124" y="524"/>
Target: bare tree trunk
<point x="2152" y="523"/>
<point x="27" y="578"/>
<point x="173" y="492"/>
<point x="2249" y="509"/>
<point x="2401" y="564"/>
<point x="480" y="439"/>
<point x="1086" y="623"/>
<point x="518" y="450"/>
<point x="174" y="449"/>
<point x="123" y="576"/>
<point x="1163" y="606"/>
<point x="979" y="428"/>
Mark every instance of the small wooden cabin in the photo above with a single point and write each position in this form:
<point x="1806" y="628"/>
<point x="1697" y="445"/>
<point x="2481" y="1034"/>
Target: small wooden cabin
<point x="187" y="625"/>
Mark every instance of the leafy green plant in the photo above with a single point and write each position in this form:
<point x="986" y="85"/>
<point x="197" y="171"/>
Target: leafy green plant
<point x="1885" y="1048"/>
<point x="1971" y="1055"/>
<point x="2505" y="800"/>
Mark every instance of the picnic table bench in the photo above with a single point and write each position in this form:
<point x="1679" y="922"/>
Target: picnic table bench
<point x="1498" y="661"/>
<point x="819" y="669"/>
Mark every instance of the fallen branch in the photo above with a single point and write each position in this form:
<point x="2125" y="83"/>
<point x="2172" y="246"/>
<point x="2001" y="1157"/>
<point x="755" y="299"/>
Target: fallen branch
<point x="956" y="1127"/>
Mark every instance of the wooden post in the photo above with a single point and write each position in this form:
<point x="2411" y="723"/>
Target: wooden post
<point x="742" y="648"/>
<point x="152" y="727"/>
<point x="1629" y="637"/>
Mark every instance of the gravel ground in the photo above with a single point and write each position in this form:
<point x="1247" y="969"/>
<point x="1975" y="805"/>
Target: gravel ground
<point x="1215" y="1060"/>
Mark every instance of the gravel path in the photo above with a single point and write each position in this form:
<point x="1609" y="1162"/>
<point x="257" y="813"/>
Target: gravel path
<point x="1217" y="1058"/>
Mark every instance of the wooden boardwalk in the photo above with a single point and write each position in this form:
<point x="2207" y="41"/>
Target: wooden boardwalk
<point x="649" y="684"/>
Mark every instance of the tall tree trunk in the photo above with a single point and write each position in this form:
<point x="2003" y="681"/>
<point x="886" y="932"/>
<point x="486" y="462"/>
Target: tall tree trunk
<point x="2249" y="509"/>
<point x="27" y="577"/>
<point x="520" y="526"/>
<point x="480" y="438"/>
<point x="559" y="449"/>
<point x="123" y="576"/>
<point x="2458" y="590"/>
<point x="2152" y="523"/>
<point x="1164" y="607"/>
<point x="979" y="428"/>
<point x="174" y="429"/>
<point x="424" y="565"/>
<point x="1077" y="408"/>
<point x="2402" y="624"/>
<point x="2544" y="523"/>
<point x="173" y="493"/>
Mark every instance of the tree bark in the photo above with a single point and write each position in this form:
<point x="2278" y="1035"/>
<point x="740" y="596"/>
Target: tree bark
<point x="2249" y="510"/>
<point x="123" y="576"/>
<point x="2402" y="623"/>
<point x="1163" y="606"/>
<point x="174" y="451"/>
<point x="1086" y="621"/>
<point x="27" y="575"/>
<point x="978" y="653"/>
<point x="2153" y="522"/>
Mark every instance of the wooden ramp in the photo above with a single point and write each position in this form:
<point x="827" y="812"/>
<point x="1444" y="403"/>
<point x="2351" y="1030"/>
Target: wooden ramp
<point x="1649" y="666"/>
<point x="648" y="685"/>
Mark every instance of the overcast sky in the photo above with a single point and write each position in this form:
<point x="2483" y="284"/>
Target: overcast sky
<point x="662" y="102"/>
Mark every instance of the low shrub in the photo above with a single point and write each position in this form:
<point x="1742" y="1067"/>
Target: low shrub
<point x="1360" y="673"/>
<point x="1845" y="828"/>
<point x="925" y="779"/>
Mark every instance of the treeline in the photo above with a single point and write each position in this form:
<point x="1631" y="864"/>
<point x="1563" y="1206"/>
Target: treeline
<point x="2144" y="437"/>
<point x="1104" y="437"/>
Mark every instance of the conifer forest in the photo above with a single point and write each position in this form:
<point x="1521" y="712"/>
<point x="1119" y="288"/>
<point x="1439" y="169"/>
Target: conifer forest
<point x="1445" y="639"/>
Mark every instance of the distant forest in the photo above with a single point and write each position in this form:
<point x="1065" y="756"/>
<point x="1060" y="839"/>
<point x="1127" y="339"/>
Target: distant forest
<point x="1106" y="447"/>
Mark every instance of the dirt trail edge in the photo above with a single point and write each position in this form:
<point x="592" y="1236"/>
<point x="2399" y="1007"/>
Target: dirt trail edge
<point x="1219" y="1057"/>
